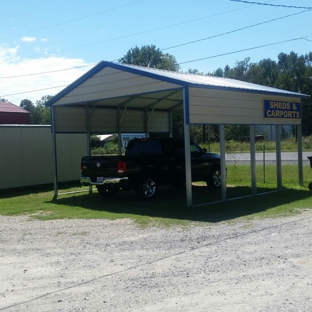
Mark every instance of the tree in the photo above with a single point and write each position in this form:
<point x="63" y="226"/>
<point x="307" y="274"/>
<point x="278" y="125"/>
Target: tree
<point x="218" y="72"/>
<point x="28" y="106"/>
<point x="41" y="112"/>
<point x="150" y="56"/>
<point x="292" y="72"/>
<point x="38" y="114"/>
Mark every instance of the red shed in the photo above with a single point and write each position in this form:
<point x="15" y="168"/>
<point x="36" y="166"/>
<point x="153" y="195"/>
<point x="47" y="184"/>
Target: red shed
<point x="12" y="114"/>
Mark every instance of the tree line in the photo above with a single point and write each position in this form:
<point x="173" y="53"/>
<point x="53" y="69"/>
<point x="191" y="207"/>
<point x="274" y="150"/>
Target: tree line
<point x="290" y="72"/>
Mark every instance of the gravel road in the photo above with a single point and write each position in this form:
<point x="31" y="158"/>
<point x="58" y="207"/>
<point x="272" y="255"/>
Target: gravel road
<point x="101" y="265"/>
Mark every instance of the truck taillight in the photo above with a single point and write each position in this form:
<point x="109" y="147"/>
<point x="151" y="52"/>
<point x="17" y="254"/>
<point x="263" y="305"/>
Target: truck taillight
<point x="122" y="168"/>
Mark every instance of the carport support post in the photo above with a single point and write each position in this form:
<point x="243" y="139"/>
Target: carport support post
<point x="223" y="166"/>
<point x="300" y="160"/>
<point x="278" y="157"/>
<point x="119" y="132"/>
<point x="88" y="138"/>
<point x="146" y="123"/>
<point x="253" y="160"/>
<point x="188" y="168"/>
<point x="170" y="125"/>
<point x="54" y="153"/>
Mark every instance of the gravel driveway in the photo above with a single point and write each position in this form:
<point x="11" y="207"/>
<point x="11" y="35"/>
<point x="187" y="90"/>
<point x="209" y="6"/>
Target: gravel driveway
<point x="100" y="265"/>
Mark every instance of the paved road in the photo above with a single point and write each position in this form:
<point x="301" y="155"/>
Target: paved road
<point x="287" y="158"/>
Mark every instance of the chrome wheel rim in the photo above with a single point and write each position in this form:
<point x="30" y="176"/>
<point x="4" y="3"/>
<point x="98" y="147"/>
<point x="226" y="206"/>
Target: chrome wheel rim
<point x="216" y="178"/>
<point x="149" y="187"/>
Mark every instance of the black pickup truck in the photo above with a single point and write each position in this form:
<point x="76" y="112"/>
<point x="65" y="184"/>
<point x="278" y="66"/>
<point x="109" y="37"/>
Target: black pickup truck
<point x="148" y="163"/>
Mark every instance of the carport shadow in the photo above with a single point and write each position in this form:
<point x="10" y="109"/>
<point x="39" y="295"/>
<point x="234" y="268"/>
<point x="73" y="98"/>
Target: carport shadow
<point x="171" y="203"/>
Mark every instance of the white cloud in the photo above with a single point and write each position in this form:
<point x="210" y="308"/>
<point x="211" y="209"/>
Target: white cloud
<point x="37" y="49"/>
<point x="43" y="39"/>
<point x="28" y="39"/>
<point x="19" y="79"/>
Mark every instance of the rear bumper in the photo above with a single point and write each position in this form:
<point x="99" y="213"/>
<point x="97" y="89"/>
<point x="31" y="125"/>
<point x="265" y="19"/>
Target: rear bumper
<point x="102" y="181"/>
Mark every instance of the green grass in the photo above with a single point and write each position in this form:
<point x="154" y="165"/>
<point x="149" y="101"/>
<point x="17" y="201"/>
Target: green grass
<point x="287" y="145"/>
<point x="168" y="209"/>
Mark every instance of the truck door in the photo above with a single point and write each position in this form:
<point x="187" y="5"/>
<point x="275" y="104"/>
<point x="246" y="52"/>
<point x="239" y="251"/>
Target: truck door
<point x="176" y="159"/>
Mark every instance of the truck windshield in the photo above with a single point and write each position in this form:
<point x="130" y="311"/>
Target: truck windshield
<point x="177" y="147"/>
<point x="195" y="148"/>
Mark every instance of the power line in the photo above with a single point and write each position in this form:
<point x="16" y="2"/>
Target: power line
<point x="48" y="72"/>
<point x="154" y="29"/>
<point x="196" y="60"/>
<point x="248" y="49"/>
<point x="175" y="46"/>
<point x="70" y="21"/>
<point x="236" y="30"/>
<point x="1" y="96"/>
<point x="274" y="5"/>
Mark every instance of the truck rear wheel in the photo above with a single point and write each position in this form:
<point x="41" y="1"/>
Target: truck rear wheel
<point x="147" y="187"/>
<point x="108" y="191"/>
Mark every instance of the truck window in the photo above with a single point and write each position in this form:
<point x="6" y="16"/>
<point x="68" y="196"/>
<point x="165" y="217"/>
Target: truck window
<point x="195" y="148"/>
<point x="177" y="148"/>
<point x="145" y="147"/>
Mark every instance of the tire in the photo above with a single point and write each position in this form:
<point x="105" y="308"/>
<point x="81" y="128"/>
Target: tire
<point x="310" y="186"/>
<point x="108" y="191"/>
<point x="147" y="187"/>
<point x="214" y="179"/>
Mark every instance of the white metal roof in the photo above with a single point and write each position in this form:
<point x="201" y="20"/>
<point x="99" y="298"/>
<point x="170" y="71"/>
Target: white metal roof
<point x="170" y="80"/>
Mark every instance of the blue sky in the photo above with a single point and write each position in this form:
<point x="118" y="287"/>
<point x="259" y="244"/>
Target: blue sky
<point x="51" y="36"/>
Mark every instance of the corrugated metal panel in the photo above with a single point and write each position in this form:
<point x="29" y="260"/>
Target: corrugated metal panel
<point x="159" y="122"/>
<point x="133" y="121"/>
<point x="27" y="159"/>
<point x="211" y="107"/>
<point x="70" y="148"/>
<point x="14" y="118"/>
<point x="68" y="119"/>
<point x="104" y="119"/>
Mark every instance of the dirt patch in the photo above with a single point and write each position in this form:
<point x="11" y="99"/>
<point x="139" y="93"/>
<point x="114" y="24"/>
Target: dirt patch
<point x="101" y="265"/>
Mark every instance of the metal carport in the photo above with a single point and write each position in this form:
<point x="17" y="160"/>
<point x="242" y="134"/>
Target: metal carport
<point x="116" y="98"/>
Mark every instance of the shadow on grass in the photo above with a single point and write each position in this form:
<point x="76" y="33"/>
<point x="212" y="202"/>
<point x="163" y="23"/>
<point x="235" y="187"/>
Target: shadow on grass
<point x="171" y="203"/>
<point x="37" y="189"/>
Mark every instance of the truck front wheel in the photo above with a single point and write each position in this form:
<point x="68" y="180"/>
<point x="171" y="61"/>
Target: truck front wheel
<point x="147" y="187"/>
<point x="214" y="179"/>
